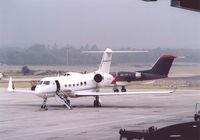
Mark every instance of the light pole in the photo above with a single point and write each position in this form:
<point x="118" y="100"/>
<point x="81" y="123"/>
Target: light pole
<point x="67" y="56"/>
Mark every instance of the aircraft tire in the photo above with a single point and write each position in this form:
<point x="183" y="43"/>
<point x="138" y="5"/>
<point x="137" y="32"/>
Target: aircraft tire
<point x="44" y="107"/>
<point x="97" y="103"/>
<point x="116" y="90"/>
<point x="123" y="90"/>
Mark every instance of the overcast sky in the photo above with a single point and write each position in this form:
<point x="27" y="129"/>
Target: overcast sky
<point x="107" y="23"/>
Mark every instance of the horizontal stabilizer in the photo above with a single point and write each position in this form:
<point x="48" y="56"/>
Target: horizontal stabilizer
<point x="115" y="51"/>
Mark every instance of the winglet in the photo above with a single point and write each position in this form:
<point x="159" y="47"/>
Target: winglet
<point x="10" y="85"/>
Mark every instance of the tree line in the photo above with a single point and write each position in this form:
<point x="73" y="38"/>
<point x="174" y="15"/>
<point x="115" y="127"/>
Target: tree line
<point x="39" y="54"/>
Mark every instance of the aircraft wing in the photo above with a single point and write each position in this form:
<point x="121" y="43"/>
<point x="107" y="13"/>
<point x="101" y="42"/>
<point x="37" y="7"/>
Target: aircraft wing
<point x="122" y="93"/>
<point x="22" y="91"/>
<point x="12" y="89"/>
<point x="22" y="80"/>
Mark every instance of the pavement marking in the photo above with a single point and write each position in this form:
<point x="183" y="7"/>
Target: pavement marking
<point x="92" y="125"/>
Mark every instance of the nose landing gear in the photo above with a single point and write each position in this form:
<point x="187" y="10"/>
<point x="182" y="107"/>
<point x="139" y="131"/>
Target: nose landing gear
<point x="44" y="106"/>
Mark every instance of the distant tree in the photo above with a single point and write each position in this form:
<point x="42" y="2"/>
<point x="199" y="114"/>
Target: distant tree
<point x="25" y="70"/>
<point x="40" y="54"/>
<point x="94" y="48"/>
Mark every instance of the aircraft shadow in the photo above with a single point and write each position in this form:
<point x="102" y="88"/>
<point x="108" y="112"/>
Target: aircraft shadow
<point x="58" y="106"/>
<point x="116" y="106"/>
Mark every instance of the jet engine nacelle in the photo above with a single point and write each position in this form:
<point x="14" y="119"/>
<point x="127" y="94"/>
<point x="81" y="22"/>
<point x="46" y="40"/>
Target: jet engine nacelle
<point x="138" y="75"/>
<point x="103" y="79"/>
<point x="98" y="78"/>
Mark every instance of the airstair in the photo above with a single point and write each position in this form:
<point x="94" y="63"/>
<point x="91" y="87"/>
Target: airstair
<point x="61" y="98"/>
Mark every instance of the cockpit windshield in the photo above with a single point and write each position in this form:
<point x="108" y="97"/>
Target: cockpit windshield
<point x="46" y="83"/>
<point x="40" y="82"/>
<point x="66" y="74"/>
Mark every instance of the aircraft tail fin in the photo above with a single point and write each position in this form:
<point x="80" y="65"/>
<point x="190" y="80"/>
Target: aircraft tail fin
<point x="107" y="58"/>
<point x="162" y="65"/>
<point x="106" y="61"/>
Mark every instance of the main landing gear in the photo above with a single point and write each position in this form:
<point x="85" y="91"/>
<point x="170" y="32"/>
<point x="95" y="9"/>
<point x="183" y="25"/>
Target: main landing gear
<point x="123" y="89"/>
<point x="97" y="102"/>
<point x="115" y="89"/>
<point x="44" y="106"/>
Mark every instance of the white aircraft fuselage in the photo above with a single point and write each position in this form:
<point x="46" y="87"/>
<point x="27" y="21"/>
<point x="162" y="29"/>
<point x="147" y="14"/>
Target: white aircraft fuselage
<point x="70" y="83"/>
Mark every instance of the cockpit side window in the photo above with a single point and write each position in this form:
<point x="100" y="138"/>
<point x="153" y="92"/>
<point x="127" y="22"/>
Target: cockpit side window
<point x="46" y="83"/>
<point x="40" y="82"/>
<point x="66" y="74"/>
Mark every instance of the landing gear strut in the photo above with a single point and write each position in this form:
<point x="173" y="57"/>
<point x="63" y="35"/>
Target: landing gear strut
<point x="115" y="89"/>
<point x="123" y="89"/>
<point x="97" y="102"/>
<point x="44" y="106"/>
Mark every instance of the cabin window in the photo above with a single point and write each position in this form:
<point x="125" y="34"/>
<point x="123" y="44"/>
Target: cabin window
<point x="77" y="84"/>
<point x="73" y="85"/>
<point x="65" y="85"/>
<point x="69" y="85"/>
<point x="85" y="83"/>
<point x="124" y="74"/>
<point x="81" y="83"/>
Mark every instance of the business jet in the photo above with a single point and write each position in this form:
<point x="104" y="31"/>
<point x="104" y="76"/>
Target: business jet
<point x="159" y="70"/>
<point x="72" y="85"/>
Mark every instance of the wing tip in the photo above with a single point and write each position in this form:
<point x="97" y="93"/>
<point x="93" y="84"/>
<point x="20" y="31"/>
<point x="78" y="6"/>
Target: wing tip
<point x="10" y="85"/>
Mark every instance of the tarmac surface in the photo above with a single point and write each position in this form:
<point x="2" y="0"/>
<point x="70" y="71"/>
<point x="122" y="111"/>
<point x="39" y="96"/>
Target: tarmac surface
<point x="21" y="117"/>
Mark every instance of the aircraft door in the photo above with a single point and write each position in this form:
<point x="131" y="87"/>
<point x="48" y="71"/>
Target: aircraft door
<point x="57" y="85"/>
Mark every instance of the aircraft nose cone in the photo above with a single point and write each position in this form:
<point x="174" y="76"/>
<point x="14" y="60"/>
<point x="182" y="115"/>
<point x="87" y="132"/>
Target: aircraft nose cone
<point x="38" y="90"/>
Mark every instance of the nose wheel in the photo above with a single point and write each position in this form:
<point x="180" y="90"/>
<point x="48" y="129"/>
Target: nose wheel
<point x="97" y="102"/>
<point x="44" y="106"/>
